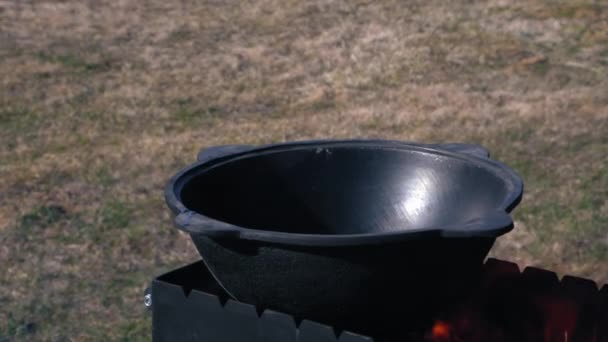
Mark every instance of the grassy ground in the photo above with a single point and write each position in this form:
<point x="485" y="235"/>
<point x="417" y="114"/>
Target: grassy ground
<point x="102" y="101"/>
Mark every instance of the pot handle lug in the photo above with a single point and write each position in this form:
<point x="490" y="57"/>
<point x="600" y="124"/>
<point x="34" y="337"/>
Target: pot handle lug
<point x="492" y="224"/>
<point x="196" y="224"/>
<point x="214" y="152"/>
<point x="471" y="149"/>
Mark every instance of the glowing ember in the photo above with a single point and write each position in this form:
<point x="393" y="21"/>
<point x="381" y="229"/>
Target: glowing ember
<point x="532" y="307"/>
<point x="441" y="331"/>
<point x="560" y="318"/>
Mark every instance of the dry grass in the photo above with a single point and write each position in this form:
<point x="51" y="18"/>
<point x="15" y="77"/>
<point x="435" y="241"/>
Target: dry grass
<point x="102" y="101"/>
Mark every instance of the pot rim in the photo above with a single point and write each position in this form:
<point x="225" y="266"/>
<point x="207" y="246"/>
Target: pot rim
<point x="494" y="224"/>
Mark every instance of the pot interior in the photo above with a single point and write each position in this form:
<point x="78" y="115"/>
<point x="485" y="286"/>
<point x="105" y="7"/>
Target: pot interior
<point x="344" y="190"/>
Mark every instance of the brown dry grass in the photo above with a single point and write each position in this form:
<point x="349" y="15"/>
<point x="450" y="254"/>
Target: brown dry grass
<point x="102" y="101"/>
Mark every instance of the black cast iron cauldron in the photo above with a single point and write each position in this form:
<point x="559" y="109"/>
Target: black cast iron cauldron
<point x="348" y="232"/>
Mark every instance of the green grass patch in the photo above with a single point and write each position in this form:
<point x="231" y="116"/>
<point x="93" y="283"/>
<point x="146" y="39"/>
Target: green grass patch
<point x="42" y="217"/>
<point x="45" y="75"/>
<point x="28" y="320"/>
<point x="594" y="191"/>
<point x="187" y="113"/>
<point x="76" y="62"/>
<point x="181" y="34"/>
<point x="101" y="175"/>
<point x="8" y="116"/>
<point x="566" y="11"/>
<point x="18" y="122"/>
<point x="104" y="177"/>
<point x="90" y="115"/>
<point x="541" y="68"/>
<point x="17" y="330"/>
<point x="137" y="330"/>
<point x="20" y="126"/>
<point x="114" y="214"/>
<point x="604" y="52"/>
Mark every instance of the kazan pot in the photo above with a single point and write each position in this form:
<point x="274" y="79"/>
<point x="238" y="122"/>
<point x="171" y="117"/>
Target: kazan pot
<point x="351" y="232"/>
